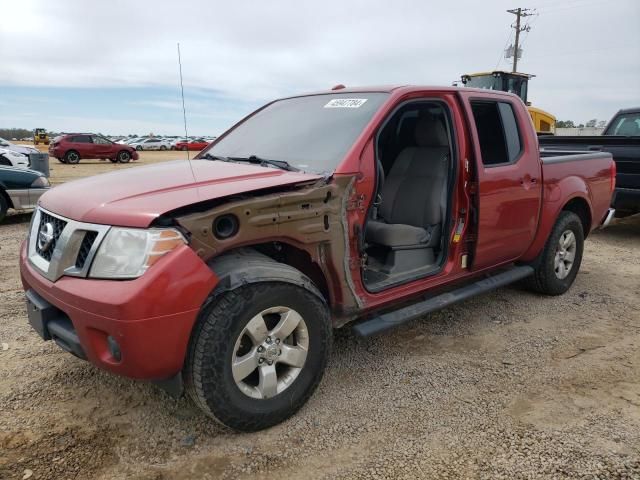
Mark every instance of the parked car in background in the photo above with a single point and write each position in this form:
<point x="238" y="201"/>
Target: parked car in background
<point x="228" y="273"/>
<point x="153" y="144"/>
<point x="24" y="149"/>
<point x="72" y="147"/>
<point x="177" y="140"/>
<point x="621" y="138"/>
<point x="13" y="159"/>
<point x="195" y="145"/>
<point x="20" y="188"/>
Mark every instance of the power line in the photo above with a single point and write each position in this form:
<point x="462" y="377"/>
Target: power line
<point x="504" y="49"/>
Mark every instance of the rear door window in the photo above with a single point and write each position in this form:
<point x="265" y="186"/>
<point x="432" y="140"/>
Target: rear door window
<point x="498" y="132"/>
<point x="81" y="139"/>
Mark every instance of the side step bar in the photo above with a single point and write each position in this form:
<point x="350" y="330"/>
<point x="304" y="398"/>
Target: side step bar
<point x="389" y="320"/>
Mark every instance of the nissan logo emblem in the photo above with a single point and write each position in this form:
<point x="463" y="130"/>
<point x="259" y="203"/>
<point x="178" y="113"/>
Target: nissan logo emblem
<point x="45" y="237"/>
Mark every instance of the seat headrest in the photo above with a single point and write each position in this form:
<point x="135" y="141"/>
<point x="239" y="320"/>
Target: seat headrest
<point x="430" y="132"/>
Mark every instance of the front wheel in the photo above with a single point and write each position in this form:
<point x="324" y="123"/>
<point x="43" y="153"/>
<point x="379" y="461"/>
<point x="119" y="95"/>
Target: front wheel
<point x="560" y="260"/>
<point x="258" y="353"/>
<point x="123" y="156"/>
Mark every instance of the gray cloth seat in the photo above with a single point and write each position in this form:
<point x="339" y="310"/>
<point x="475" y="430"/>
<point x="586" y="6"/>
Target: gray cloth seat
<point x="413" y="198"/>
<point x="399" y="235"/>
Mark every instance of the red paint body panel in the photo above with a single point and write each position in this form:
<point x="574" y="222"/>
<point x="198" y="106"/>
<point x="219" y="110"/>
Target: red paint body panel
<point x="136" y="196"/>
<point x="564" y="182"/>
<point x="151" y="317"/>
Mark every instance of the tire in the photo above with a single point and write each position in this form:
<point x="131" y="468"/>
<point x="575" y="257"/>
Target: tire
<point x="219" y="335"/>
<point x="162" y="147"/>
<point x="71" y="157"/>
<point x="139" y="148"/>
<point x="183" y="148"/>
<point x="123" y="156"/>
<point x="4" y="206"/>
<point x="553" y="275"/>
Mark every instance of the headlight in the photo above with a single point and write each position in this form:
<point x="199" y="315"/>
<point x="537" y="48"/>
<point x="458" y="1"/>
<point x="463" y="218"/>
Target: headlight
<point x="40" y="182"/>
<point x="129" y="252"/>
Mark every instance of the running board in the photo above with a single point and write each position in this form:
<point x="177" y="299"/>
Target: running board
<point x="389" y="320"/>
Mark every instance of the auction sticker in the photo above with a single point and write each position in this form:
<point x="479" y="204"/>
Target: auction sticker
<point x="345" y="103"/>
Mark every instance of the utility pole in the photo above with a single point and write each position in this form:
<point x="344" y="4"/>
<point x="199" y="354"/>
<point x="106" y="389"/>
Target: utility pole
<point x="519" y="13"/>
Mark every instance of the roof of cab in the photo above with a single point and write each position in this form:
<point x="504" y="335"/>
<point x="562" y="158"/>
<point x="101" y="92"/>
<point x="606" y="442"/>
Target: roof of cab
<point x="402" y="90"/>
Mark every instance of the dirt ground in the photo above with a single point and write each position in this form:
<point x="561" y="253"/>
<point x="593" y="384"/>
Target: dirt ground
<point x="505" y="386"/>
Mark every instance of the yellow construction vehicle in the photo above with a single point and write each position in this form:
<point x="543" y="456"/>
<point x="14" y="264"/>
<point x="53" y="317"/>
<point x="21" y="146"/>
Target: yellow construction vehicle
<point x="516" y="83"/>
<point x="40" y="135"/>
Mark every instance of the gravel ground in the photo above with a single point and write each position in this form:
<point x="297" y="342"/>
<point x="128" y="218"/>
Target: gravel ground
<point x="506" y="386"/>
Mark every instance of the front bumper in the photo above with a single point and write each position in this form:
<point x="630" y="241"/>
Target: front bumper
<point x="135" y="155"/>
<point x="150" y="318"/>
<point x="25" y="197"/>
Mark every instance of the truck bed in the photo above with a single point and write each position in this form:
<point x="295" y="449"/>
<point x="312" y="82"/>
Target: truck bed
<point x="560" y="170"/>
<point x="625" y="152"/>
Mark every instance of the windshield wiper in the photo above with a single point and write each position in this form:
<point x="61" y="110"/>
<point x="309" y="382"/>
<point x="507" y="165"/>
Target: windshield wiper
<point x="210" y="156"/>
<point x="281" y="164"/>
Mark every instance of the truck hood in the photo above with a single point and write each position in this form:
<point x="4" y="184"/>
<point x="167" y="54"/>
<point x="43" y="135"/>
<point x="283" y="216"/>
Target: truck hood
<point x="135" y="197"/>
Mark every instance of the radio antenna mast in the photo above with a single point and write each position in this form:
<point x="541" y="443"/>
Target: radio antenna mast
<point x="184" y="110"/>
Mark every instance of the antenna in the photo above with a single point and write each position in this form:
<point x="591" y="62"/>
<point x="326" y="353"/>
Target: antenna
<point x="184" y="110"/>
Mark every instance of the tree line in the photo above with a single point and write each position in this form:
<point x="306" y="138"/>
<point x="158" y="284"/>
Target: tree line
<point x="19" y="133"/>
<point x="590" y="124"/>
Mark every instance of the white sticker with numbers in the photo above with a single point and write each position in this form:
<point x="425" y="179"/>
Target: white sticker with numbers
<point x="345" y="103"/>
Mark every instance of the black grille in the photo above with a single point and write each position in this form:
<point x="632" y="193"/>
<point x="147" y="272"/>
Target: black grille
<point x="58" y="225"/>
<point x="85" y="248"/>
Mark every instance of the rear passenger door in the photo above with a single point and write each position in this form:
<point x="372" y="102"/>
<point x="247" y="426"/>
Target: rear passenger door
<point x="508" y="168"/>
<point x="84" y="146"/>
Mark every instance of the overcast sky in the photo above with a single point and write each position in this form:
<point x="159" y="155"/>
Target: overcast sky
<point x="112" y="66"/>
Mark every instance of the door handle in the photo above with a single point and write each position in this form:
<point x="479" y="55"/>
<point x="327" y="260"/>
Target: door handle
<point x="527" y="180"/>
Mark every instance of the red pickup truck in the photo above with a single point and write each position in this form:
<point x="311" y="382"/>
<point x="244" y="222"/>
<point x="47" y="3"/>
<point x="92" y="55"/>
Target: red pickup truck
<point x="225" y="275"/>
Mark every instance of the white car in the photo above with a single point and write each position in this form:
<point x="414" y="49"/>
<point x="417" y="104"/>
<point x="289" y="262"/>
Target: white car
<point x="152" y="144"/>
<point x="13" y="159"/>
<point x="24" y="149"/>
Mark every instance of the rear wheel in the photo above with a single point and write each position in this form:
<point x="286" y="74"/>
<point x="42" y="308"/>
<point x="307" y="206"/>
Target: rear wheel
<point x="258" y="353"/>
<point x="560" y="260"/>
<point x="123" y="156"/>
<point x="162" y="147"/>
<point x="71" y="157"/>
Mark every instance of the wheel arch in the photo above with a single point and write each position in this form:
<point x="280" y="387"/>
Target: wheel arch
<point x="6" y="196"/>
<point x="260" y="263"/>
<point x="580" y="207"/>
<point x="552" y="210"/>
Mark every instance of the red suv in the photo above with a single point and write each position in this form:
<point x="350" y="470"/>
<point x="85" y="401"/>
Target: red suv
<point x="70" y="148"/>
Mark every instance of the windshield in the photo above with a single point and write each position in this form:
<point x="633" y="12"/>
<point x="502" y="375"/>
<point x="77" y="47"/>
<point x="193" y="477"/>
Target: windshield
<point x="507" y="83"/>
<point x="310" y="133"/>
<point x="626" y="124"/>
<point x="488" y="82"/>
